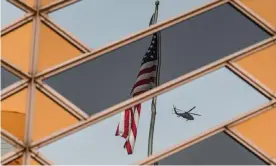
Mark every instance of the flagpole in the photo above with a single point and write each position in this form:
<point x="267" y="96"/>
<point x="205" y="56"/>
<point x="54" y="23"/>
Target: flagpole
<point x="154" y="100"/>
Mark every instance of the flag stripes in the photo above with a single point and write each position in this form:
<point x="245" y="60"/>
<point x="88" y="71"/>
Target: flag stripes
<point x="146" y="79"/>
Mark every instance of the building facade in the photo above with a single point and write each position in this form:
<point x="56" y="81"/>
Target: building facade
<point x="68" y="67"/>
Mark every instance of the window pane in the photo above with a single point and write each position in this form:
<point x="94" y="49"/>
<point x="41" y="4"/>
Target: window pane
<point x="260" y="131"/>
<point x="262" y="66"/>
<point x="230" y="97"/>
<point x="219" y="149"/>
<point x="20" y="39"/>
<point x="265" y="9"/>
<point x="53" y="48"/>
<point x="46" y="110"/>
<point x="7" y="78"/>
<point x="13" y="111"/>
<point x="6" y="147"/>
<point x="10" y="13"/>
<point x="189" y="45"/>
<point x="97" y="23"/>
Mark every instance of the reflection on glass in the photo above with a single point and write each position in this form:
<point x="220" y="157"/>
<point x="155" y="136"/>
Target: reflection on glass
<point x="98" y="23"/>
<point x="10" y="13"/>
<point x="213" y="151"/>
<point x="185" y="47"/>
<point x="6" y="147"/>
<point x="7" y="78"/>
<point x="218" y="96"/>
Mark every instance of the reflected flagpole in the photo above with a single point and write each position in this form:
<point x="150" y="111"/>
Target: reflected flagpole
<point x="154" y="100"/>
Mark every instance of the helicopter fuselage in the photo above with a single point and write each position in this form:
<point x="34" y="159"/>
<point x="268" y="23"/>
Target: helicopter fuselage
<point x="185" y="115"/>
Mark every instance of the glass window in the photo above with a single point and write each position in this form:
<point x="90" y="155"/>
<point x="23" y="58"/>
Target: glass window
<point x="6" y="147"/>
<point x="7" y="78"/>
<point x="97" y="23"/>
<point x="230" y="98"/>
<point x="46" y="110"/>
<point x="219" y="149"/>
<point x="20" y="39"/>
<point x="265" y="9"/>
<point x="189" y="45"/>
<point x="10" y="13"/>
<point x="53" y="48"/>
<point x="262" y="66"/>
<point x="260" y="131"/>
<point x="13" y="115"/>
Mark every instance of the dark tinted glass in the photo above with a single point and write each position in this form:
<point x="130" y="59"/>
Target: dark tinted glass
<point x="7" y="78"/>
<point x="189" y="45"/>
<point x="216" y="150"/>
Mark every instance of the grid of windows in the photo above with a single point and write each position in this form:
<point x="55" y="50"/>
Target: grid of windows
<point x="216" y="55"/>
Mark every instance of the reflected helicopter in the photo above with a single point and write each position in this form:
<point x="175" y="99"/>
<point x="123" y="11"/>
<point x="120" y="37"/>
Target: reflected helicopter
<point x="188" y="115"/>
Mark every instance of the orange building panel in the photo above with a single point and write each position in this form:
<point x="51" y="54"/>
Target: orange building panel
<point x="262" y="66"/>
<point x="53" y="49"/>
<point x="29" y="2"/>
<point x="34" y="162"/>
<point x="49" y="117"/>
<point x="260" y="131"/>
<point x="17" y="161"/>
<point x="264" y="8"/>
<point x="32" y="2"/>
<point x="14" y="113"/>
<point x="16" y="46"/>
<point x="46" y="2"/>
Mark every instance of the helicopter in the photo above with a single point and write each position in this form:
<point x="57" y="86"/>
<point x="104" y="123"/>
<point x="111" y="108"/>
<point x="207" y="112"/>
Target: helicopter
<point x="186" y="115"/>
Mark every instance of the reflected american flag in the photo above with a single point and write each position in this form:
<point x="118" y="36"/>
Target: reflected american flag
<point x="146" y="80"/>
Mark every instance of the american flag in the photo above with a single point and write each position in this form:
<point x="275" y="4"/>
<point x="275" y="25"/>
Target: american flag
<point x="146" y="80"/>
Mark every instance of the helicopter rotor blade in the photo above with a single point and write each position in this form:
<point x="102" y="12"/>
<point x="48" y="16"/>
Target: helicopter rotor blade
<point x="179" y="109"/>
<point x="173" y="109"/>
<point x="176" y="109"/>
<point x="195" y="114"/>
<point x="192" y="109"/>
